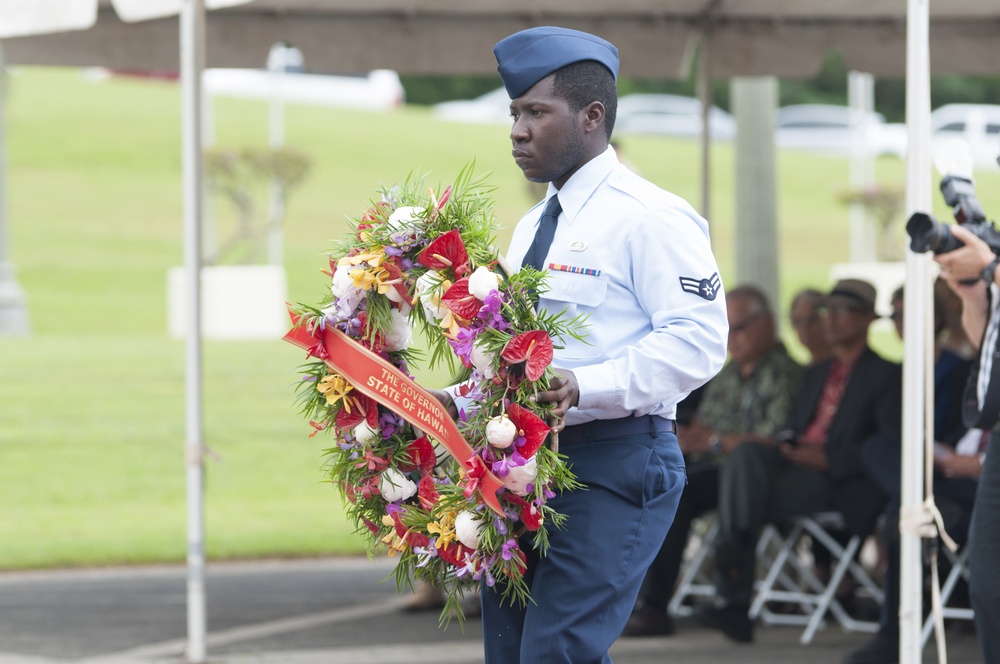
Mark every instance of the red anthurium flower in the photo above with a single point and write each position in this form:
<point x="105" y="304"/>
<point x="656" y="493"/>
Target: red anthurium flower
<point x="534" y="348"/>
<point x="357" y="409"/>
<point x="454" y="553"/>
<point x="410" y="537"/>
<point x="531" y="517"/>
<point x="461" y="302"/>
<point x="533" y="428"/>
<point x="427" y="492"/>
<point x="446" y="251"/>
<point x="421" y="454"/>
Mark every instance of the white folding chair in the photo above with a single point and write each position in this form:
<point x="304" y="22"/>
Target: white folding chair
<point x="959" y="570"/>
<point x="790" y="578"/>
<point x="696" y="579"/>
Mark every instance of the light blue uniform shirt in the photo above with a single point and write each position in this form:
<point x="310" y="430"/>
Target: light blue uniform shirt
<point x="637" y="260"/>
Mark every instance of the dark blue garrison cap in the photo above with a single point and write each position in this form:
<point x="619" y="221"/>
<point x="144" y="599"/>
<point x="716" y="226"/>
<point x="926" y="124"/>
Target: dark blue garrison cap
<point x="528" y="56"/>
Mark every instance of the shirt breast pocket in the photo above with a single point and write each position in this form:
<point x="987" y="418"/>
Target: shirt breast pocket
<point x="578" y="294"/>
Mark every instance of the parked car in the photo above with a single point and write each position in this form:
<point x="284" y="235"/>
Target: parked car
<point x="977" y="126"/>
<point x="380" y="89"/>
<point x="827" y="128"/>
<point x="494" y="106"/>
<point x="672" y="115"/>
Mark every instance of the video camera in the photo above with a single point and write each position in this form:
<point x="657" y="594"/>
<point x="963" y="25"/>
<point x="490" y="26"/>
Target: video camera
<point x="928" y="234"/>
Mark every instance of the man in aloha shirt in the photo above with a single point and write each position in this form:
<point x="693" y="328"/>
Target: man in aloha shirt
<point x="748" y="400"/>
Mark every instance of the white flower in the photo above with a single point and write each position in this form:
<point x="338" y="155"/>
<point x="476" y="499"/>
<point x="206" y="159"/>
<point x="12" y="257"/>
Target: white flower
<point x="404" y="219"/>
<point x="468" y="526"/>
<point x="501" y="432"/>
<point x="342" y="282"/>
<point x="428" y="289"/>
<point x="364" y="434"/>
<point x="395" y="486"/>
<point x="428" y="281"/>
<point x="398" y="337"/>
<point x="394" y="296"/>
<point x="520" y="477"/>
<point x="482" y="360"/>
<point x="482" y="281"/>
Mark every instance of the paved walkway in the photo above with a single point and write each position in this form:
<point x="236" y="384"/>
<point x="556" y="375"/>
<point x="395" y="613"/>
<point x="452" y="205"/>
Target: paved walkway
<point x="329" y="611"/>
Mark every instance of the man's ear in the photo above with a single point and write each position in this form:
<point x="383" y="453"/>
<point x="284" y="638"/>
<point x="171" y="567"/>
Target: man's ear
<point x="593" y="116"/>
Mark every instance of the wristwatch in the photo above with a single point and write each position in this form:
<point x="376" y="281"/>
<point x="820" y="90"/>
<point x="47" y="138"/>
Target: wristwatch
<point x="989" y="271"/>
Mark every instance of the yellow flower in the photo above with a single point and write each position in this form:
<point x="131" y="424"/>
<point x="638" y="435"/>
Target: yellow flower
<point x="392" y="540"/>
<point x="373" y="258"/>
<point x="450" y="325"/>
<point x="445" y="529"/>
<point x="335" y="387"/>
<point x="365" y="279"/>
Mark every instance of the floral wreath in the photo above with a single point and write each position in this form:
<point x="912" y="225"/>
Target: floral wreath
<point x="404" y="492"/>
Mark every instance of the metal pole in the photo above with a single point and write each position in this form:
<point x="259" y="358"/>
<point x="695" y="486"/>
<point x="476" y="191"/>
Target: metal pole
<point x="192" y="28"/>
<point x="705" y="95"/>
<point x="916" y="348"/>
<point x="13" y="305"/>
<point x="861" y="99"/>
<point x="276" y="140"/>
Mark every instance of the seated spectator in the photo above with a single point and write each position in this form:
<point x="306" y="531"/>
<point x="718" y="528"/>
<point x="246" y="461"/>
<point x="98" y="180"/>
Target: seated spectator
<point x="748" y="400"/>
<point x="842" y="402"/>
<point x="957" y="465"/>
<point x="807" y="324"/>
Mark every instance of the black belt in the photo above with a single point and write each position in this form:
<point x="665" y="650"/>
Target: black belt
<point x="623" y="426"/>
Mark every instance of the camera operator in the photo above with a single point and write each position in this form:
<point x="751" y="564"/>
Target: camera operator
<point x="971" y="271"/>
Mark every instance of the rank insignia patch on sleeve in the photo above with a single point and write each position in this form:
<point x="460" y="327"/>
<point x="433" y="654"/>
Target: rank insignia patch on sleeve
<point x="706" y="288"/>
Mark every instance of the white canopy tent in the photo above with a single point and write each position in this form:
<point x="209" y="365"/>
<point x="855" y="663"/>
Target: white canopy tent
<point x="741" y="37"/>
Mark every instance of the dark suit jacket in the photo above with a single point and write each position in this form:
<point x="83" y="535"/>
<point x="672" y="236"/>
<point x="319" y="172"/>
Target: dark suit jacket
<point x="871" y="407"/>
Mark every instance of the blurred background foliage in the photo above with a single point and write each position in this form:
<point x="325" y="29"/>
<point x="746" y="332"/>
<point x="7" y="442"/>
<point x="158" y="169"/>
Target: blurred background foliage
<point x="827" y="87"/>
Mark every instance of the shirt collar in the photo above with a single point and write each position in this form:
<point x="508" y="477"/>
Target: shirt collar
<point x="582" y="184"/>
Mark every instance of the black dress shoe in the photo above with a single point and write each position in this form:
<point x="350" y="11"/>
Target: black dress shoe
<point x="649" y="621"/>
<point x="883" y="648"/>
<point x="733" y="621"/>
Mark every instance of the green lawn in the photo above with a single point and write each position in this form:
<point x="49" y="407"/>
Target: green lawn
<point x="91" y="404"/>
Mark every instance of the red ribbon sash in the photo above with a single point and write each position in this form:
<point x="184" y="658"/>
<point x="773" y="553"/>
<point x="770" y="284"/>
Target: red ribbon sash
<point x="375" y="378"/>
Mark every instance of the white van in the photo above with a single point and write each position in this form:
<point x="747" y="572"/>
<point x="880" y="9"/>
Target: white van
<point x="977" y="125"/>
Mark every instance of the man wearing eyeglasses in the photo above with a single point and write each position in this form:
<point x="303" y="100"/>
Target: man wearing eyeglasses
<point x="816" y="466"/>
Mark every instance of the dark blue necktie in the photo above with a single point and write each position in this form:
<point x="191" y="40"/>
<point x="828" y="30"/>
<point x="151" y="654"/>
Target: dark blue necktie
<point x="546" y="230"/>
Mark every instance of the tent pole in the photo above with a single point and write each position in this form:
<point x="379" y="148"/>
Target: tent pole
<point x="917" y="341"/>
<point x="192" y="46"/>
<point x="705" y="95"/>
<point x="13" y="304"/>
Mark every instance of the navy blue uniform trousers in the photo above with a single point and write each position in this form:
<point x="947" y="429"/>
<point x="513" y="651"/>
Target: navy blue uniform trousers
<point x="984" y="555"/>
<point x="583" y="590"/>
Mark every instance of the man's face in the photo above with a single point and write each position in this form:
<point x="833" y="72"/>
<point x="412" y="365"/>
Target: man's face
<point x="547" y="137"/>
<point x="751" y="331"/>
<point x="806" y="323"/>
<point x="846" y="323"/>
